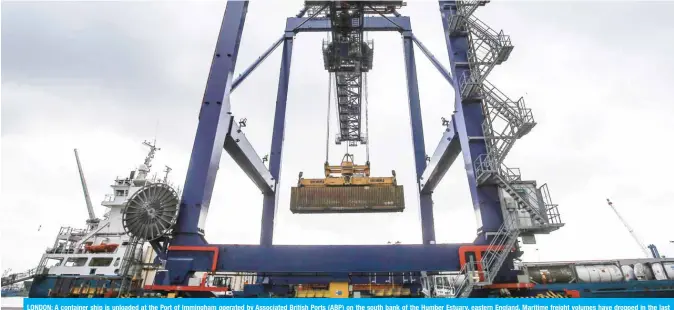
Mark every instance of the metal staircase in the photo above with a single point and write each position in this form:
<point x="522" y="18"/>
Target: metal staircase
<point x="10" y="279"/>
<point x="488" y="47"/>
<point x="505" y="121"/>
<point x="483" y="272"/>
<point x="128" y="261"/>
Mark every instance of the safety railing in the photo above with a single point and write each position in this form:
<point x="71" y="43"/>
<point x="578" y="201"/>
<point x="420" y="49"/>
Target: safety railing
<point x="467" y="7"/>
<point x="484" y="271"/>
<point x="551" y="209"/>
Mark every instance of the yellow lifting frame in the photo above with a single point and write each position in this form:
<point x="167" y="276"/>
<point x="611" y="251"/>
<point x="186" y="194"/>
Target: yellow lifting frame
<point x="348" y="174"/>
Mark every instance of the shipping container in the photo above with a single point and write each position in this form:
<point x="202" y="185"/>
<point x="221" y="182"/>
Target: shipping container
<point x="347" y="199"/>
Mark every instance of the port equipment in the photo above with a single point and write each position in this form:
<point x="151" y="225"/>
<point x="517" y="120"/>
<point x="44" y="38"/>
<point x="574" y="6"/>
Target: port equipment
<point x="348" y="57"/>
<point x="347" y="188"/>
<point x="484" y="127"/>
<point x="651" y="250"/>
<point x="93" y="221"/>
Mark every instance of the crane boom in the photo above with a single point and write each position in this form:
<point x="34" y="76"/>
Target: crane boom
<point x="646" y="251"/>
<point x="90" y="207"/>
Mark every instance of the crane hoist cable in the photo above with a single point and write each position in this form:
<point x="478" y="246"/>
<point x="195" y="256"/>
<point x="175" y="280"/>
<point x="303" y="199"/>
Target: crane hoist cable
<point x="367" y="117"/>
<point x="327" y="131"/>
<point x="367" y="120"/>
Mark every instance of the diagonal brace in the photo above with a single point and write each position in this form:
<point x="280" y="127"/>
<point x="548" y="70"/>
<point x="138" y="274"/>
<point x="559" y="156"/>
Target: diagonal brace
<point x="444" y="156"/>
<point x="434" y="61"/>
<point x="243" y="153"/>
<point x="257" y="62"/>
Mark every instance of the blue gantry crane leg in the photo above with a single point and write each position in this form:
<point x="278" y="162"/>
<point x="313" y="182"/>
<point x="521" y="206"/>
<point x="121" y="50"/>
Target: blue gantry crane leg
<point x="468" y="121"/>
<point x="469" y="130"/>
<point x="212" y="130"/>
<point x="425" y="199"/>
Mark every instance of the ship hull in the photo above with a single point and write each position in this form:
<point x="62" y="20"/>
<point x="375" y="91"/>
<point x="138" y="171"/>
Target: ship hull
<point x="75" y="286"/>
<point x="630" y="289"/>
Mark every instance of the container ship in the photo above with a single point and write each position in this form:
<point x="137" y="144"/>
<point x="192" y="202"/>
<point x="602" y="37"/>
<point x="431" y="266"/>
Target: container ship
<point x="101" y="259"/>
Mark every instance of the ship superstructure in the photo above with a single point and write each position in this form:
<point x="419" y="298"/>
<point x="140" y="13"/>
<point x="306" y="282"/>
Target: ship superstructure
<point x="101" y="258"/>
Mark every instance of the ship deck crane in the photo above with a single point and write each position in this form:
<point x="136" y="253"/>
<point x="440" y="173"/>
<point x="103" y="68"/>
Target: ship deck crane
<point x="484" y="127"/>
<point x="93" y="220"/>
<point x="92" y="223"/>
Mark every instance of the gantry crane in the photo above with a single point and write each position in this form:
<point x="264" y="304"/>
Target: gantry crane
<point x="484" y="127"/>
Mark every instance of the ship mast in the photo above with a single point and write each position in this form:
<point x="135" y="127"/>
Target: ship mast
<point x="150" y="155"/>
<point x="92" y="221"/>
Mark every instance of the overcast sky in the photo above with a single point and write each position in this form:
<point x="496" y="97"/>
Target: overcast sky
<point x="104" y="76"/>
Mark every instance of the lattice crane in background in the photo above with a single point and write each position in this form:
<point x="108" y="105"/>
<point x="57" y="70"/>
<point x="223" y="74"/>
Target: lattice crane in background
<point x="650" y="250"/>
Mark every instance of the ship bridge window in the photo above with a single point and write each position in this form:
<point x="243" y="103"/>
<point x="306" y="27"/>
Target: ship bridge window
<point x="100" y="261"/>
<point x="442" y="282"/>
<point x="76" y="261"/>
<point x="121" y="192"/>
<point x="53" y="261"/>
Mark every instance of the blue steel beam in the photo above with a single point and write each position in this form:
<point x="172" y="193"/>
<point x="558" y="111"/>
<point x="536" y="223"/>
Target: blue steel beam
<point x="444" y="156"/>
<point x="468" y="123"/>
<point x="302" y="259"/>
<point x="257" y="62"/>
<point x="270" y="200"/>
<point x="214" y="119"/>
<point x="370" y="24"/>
<point x="243" y="153"/>
<point x="434" y="61"/>
<point x="425" y="200"/>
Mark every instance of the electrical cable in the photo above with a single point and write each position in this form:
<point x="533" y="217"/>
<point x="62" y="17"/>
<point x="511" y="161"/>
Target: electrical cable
<point x="367" y="117"/>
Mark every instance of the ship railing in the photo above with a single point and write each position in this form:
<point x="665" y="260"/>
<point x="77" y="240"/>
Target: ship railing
<point x="125" y="181"/>
<point x="109" y="198"/>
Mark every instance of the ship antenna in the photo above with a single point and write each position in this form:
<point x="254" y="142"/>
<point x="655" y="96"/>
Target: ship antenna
<point x="167" y="170"/>
<point x="150" y="154"/>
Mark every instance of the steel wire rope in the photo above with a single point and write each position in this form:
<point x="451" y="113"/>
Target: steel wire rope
<point x="367" y="116"/>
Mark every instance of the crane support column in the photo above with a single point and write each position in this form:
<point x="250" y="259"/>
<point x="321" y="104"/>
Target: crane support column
<point x="214" y="119"/>
<point x="468" y="123"/>
<point x="270" y="200"/>
<point x="425" y="199"/>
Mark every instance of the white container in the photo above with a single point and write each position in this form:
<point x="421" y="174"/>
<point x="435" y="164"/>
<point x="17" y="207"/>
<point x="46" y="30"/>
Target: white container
<point x="669" y="270"/>
<point x="658" y="271"/>
<point x="642" y="272"/>
<point x="584" y="274"/>
<point x="628" y="272"/>
<point x="610" y="273"/>
<point x="599" y="273"/>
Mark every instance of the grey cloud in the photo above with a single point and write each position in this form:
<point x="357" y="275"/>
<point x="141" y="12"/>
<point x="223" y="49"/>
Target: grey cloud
<point x="43" y="46"/>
